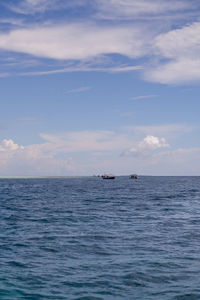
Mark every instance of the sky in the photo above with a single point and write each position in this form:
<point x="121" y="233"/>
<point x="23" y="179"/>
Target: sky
<point x="99" y="86"/>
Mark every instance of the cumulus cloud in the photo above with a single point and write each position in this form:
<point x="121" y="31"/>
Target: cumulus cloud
<point x="47" y="158"/>
<point x="31" y="160"/>
<point x="146" y="146"/>
<point x="55" y="155"/>
<point x="152" y="142"/>
<point x="9" y="145"/>
<point x="89" y="152"/>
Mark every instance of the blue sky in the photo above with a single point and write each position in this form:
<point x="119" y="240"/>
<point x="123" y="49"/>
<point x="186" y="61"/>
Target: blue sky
<point x="99" y="86"/>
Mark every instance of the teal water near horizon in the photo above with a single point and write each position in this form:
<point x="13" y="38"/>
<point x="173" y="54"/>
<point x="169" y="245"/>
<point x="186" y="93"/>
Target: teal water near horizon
<point x="86" y="238"/>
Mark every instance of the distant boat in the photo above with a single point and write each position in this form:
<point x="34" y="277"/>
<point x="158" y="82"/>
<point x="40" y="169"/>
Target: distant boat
<point x="108" y="176"/>
<point x="133" y="176"/>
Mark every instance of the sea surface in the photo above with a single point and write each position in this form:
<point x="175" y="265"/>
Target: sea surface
<point x="91" y="239"/>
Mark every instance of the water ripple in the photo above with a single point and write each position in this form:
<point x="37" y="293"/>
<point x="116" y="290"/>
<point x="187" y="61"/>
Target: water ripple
<point x="90" y="239"/>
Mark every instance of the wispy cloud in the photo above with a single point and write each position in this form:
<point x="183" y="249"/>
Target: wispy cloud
<point x="4" y="75"/>
<point x="11" y="62"/>
<point x="27" y="119"/>
<point x="78" y="90"/>
<point x="83" y="68"/>
<point x="126" y="114"/>
<point x="40" y="6"/>
<point x="12" y="21"/>
<point x="75" y="68"/>
<point x="166" y="130"/>
<point x="168" y="56"/>
<point x="180" y="161"/>
<point x="84" y="141"/>
<point x="110" y="9"/>
<point x="143" y="97"/>
<point x="129" y="9"/>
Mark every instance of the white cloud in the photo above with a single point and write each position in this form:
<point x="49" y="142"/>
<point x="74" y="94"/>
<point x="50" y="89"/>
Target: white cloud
<point x="85" y="141"/>
<point x="175" y="72"/>
<point x="181" y="47"/>
<point x="184" y="42"/>
<point x="149" y="144"/>
<point x="31" y="160"/>
<point x="9" y="145"/>
<point x="96" y="152"/>
<point x="48" y="158"/>
<point x="82" y="43"/>
<point x="76" y="41"/>
<point x="90" y="40"/>
<point x="177" y="162"/>
<point x="64" y="154"/>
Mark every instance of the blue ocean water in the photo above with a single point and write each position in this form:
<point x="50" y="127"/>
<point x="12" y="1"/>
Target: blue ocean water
<point x="92" y="239"/>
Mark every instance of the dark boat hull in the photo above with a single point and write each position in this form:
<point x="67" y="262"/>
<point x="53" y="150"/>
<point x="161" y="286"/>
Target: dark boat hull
<point x="108" y="177"/>
<point x="133" y="176"/>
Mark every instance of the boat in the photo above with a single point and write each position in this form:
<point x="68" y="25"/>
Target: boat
<point x="108" y="176"/>
<point x="133" y="176"/>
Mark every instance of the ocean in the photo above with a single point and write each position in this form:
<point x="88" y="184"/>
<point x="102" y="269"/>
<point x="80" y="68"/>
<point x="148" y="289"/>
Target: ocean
<point x="92" y="239"/>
